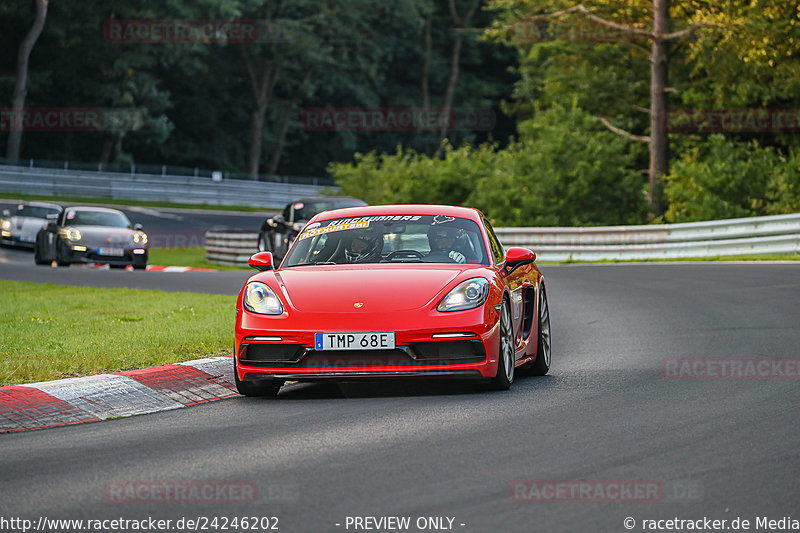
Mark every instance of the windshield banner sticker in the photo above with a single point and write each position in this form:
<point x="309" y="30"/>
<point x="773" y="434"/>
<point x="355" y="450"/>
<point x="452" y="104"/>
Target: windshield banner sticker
<point x="333" y="227"/>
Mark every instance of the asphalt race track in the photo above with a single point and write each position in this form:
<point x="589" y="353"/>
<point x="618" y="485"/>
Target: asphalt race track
<point x="607" y="414"/>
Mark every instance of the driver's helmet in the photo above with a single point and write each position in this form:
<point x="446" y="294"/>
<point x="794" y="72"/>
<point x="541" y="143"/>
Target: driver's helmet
<point x="443" y="237"/>
<point x="363" y="244"/>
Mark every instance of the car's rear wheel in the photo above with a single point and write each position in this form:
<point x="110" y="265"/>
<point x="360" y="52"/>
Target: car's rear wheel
<point x="265" y="388"/>
<point x="541" y="365"/>
<point x="505" y="357"/>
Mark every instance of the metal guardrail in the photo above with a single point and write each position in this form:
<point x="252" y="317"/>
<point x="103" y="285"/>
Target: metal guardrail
<point x="149" y="187"/>
<point x="232" y="248"/>
<point x="161" y="170"/>
<point x="778" y="234"/>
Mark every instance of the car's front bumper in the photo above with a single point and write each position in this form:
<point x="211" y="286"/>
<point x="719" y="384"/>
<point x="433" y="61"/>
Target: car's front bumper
<point x="266" y="352"/>
<point x="11" y="238"/>
<point x="78" y="253"/>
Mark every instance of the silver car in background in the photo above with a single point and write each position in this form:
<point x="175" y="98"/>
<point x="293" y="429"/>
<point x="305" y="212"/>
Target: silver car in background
<point x="19" y="227"/>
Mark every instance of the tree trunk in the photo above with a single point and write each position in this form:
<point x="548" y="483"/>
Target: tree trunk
<point x="452" y="82"/>
<point x="659" y="142"/>
<point x="256" y="136"/>
<point x="424" y="78"/>
<point x="284" y="128"/>
<point x="262" y="78"/>
<point x="459" y="24"/>
<point x="426" y="64"/>
<point x="20" y="88"/>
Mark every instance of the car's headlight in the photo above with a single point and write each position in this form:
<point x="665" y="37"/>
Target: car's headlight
<point x="140" y="237"/>
<point x="71" y="234"/>
<point x="5" y="224"/>
<point x="466" y="295"/>
<point x="259" y="298"/>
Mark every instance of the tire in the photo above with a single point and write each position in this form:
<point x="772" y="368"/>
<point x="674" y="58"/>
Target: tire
<point x="37" y="257"/>
<point x="541" y="365"/>
<point x="505" y="356"/>
<point x="140" y="266"/>
<point x="59" y="259"/>
<point x="117" y="266"/>
<point x="264" y="389"/>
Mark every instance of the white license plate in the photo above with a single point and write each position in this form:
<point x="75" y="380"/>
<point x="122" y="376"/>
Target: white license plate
<point x="115" y="252"/>
<point x="354" y="341"/>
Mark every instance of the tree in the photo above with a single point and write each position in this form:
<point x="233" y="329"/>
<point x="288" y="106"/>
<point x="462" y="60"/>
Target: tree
<point x="661" y="38"/>
<point x="21" y="86"/>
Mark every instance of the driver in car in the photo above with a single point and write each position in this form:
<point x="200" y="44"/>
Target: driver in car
<point x="365" y="246"/>
<point x="442" y="240"/>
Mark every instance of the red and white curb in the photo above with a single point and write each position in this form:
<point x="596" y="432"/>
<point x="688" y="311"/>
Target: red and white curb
<point x="133" y="392"/>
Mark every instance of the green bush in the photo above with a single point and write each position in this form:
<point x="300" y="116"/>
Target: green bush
<point x="565" y="170"/>
<point x="408" y="177"/>
<point x="722" y="178"/>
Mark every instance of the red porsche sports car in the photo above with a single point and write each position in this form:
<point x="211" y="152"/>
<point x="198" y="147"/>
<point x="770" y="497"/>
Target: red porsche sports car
<point x="393" y="291"/>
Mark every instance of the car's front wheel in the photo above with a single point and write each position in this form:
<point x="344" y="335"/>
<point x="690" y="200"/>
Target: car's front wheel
<point x="37" y="254"/>
<point x="265" y="388"/>
<point x="505" y="357"/>
<point x="62" y="258"/>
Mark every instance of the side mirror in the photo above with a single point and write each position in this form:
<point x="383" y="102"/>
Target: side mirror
<point x="138" y="227"/>
<point x="261" y="261"/>
<point x="6" y="213"/>
<point x="517" y="257"/>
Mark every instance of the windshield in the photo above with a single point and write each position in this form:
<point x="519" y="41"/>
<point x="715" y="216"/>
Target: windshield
<point x="96" y="218"/>
<point x="389" y="239"/>
<point x="35" y="211"/>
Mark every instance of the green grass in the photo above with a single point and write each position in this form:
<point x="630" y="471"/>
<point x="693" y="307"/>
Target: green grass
<point x="189" y="257"/>
<point x="51" y="332"/>
<point x="65" y="200"/>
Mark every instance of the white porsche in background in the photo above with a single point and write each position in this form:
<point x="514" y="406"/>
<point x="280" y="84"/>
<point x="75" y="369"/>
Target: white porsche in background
<point x="19" y="228"/>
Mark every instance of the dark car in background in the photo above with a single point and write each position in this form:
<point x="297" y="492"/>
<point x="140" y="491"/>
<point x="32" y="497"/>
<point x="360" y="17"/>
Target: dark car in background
<point x="92" y="235"/>
<point x="278" y="232"/>
<point x="19" y="227"/>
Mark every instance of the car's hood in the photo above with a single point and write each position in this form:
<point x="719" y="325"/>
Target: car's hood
<point x="105" y="236"/>
<point x="380" y="289"/>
